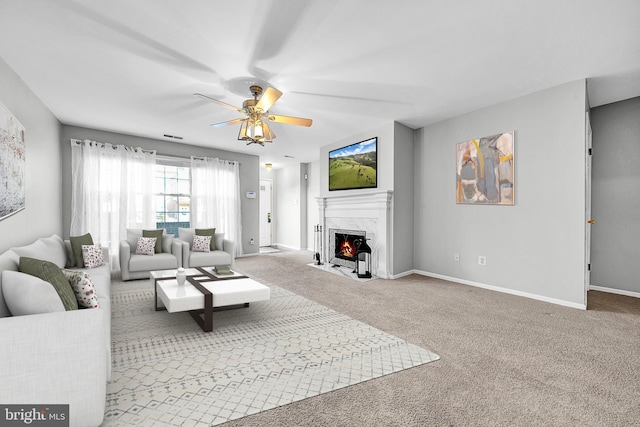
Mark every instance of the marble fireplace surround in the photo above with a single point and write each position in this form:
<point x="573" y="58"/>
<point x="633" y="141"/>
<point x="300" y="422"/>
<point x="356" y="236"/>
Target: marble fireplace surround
<point x="370" y="212"/>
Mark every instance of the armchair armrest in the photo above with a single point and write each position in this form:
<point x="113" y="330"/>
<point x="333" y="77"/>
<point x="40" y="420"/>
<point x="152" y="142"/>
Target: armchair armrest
<point x="107" y="257"/>
<point x="184" y="252"/>
<point x="125" y="255"/>
<point x="230" y="247"/>
<point x="178" y="251"/>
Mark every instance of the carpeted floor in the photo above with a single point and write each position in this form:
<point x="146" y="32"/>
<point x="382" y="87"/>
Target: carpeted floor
<point x="167" y="371"/>
<point x="505" y="360"/>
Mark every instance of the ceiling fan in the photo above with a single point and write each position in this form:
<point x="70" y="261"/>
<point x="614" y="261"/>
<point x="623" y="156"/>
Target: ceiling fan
<point x="254" y="128"/>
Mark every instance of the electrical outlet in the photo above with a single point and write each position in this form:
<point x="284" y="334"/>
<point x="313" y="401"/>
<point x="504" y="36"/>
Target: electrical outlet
<point x="456" y="257"/>
<point x="482" y="260"/>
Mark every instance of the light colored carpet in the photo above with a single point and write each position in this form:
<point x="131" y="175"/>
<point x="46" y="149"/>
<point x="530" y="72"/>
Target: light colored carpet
<point x="167" y="371"/>
<point x="269" y="250"/>
<point x="506" y="360"/>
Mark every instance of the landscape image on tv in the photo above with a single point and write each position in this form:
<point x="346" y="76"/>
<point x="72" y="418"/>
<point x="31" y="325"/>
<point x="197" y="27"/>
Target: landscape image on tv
<point x="354" y="166"/>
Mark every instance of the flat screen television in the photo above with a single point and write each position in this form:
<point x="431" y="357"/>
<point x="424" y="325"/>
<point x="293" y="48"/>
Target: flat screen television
<point x="354" y="166"/>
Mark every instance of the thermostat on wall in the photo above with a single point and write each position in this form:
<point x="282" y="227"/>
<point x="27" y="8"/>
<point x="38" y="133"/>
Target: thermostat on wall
<point x="251" y="194"/>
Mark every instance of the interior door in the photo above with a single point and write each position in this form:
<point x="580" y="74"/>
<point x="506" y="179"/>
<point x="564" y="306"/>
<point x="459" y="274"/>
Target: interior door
<point x="589" y="221"/>
<point x="265" y="212"/>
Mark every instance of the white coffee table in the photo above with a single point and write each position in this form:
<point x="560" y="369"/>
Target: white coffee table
<point x="203" y="292"/>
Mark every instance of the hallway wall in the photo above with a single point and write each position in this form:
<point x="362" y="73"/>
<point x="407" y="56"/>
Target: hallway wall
<point x="615" y="250"/>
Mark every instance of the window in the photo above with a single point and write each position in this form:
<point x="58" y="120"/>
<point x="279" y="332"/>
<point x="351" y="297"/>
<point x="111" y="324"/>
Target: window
<point x="173" y="197"/>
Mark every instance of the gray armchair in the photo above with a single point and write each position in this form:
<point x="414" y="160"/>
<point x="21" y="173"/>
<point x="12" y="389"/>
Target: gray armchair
<point x="135" y="266"/>
<point x="224" y="253"/>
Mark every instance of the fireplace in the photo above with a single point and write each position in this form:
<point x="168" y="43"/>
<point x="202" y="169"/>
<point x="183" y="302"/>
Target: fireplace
<point x="369" y="211"/>
<point x="343" y="246"/>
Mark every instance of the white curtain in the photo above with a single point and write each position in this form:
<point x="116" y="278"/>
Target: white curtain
<point x="112" y="190"/>
<point x="215" y="197"/>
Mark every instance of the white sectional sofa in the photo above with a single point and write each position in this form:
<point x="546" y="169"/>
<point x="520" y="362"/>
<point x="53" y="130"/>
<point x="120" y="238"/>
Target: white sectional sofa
<point x="60" y="357"/>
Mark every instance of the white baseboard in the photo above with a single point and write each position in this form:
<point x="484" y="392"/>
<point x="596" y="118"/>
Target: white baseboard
<point x="615" y="291"/>
<point x="281" y="246"/>
<point x="247" y="255"/>
<point x="500" y="289"/>
<point x="403" y="274"/>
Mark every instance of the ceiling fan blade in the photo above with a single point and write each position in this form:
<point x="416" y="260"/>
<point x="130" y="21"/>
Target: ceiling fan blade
<point x="217" y="101"/>
<point x="268" y="98"/>
<point x="227" y="123"/>
<point x="298" y="121"/>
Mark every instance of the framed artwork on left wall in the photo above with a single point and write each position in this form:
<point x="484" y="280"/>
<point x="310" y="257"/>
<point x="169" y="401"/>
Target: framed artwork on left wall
<point x="12" y="164"/>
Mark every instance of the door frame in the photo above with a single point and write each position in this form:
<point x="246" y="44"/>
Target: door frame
<point x="588" y="220"/>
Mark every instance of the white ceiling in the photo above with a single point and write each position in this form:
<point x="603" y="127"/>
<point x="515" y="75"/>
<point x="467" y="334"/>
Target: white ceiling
<point x="133" y="66"/>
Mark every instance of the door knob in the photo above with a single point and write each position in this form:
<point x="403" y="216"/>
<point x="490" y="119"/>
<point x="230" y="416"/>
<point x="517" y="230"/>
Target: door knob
<point x="591" y="221"/>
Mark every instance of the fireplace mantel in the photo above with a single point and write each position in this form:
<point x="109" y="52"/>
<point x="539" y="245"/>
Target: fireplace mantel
<point x="371" y="212"/>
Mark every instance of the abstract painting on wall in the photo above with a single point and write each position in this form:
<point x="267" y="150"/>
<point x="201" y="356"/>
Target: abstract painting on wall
<point x="485" y="171"/>
<point x="12" y="164"/>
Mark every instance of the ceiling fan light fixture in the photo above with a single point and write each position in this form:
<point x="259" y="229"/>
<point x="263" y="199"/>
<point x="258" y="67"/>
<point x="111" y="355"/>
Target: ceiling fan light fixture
<point x="242" y="134"/>
<point x="268" y="133"/>
<point x="254" y="130"/>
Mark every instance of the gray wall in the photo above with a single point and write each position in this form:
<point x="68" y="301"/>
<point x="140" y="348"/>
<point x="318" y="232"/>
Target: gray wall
<point x="615" y="248"/>
<point x="535" y="248"/>
<point x="403" y="200"/>
<point x="249" y="174"/>
<point x="313" y="212"/>
<point x="304" y="182"/>
<point x="43" y="196"/>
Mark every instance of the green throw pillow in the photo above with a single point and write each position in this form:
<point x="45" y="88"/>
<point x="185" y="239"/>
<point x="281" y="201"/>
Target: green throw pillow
<point x="49" y="272"/>
<point x="208" y="232"/>
<point x="158" y="235"/>
<point x="76" y="247"/>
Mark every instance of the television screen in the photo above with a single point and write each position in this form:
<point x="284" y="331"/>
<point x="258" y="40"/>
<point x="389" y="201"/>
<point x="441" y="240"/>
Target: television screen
<point x="354" y="166"/>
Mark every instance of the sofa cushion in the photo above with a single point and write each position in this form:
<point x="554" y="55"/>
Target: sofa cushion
<point x="148" y="263"/>
<point x="158" y="235"/>
<point x="219" y="241"/>
<point x="26" y="294"/>
<point x="92" y="255"/>
<point x="83" y="288"/>
<point x="51" y="273"/>
<point x="201" y="243"/>
<point x="208" y="232"/>
<point x="167" y="241"/>
<point x="76" y="247"/>
<point x="46" y="248"/>
<point x="8" y="261"/>
<point x="132" y="237"/>
<point x="209" y="259"/>
<point x="146" y="246"/>
<point x="186" y="234"/>
<point x="71" y="262"/>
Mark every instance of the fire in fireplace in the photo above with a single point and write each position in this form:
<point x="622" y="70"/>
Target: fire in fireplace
<point x="343" y="245"/>
<point x="346" y="246"/>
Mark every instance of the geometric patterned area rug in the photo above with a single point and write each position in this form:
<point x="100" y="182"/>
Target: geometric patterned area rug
<point x="167" y="371"/>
